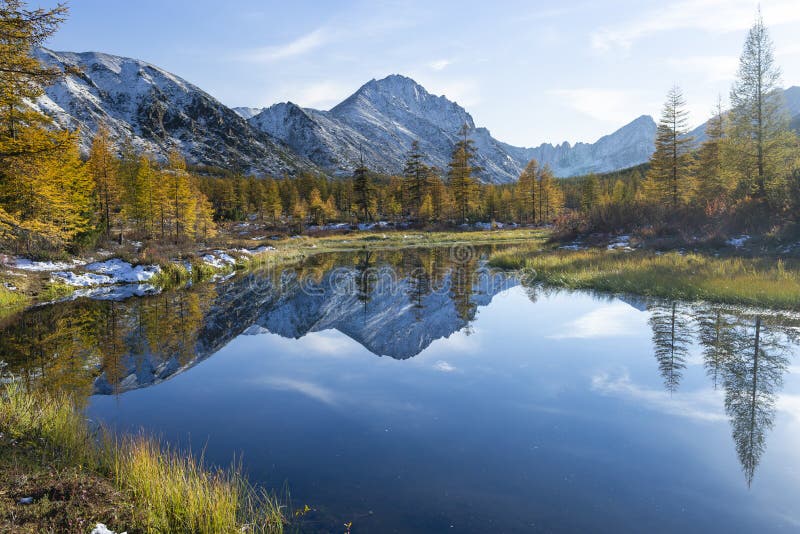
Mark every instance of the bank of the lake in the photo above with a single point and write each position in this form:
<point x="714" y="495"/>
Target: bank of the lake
<point x="21" y="288"/>
<point x="49" y="452"/>
<point x="61" y="475"/>
<point x="766" y="281"/>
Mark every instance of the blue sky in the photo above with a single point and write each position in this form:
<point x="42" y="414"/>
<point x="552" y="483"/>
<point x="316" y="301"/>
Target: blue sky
<point x="531" y="71"/>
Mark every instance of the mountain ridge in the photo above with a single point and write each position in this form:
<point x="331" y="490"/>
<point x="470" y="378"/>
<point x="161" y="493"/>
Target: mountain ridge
<point x="158" y="111"/>
<point x="382" y="117"/>
<point x="161" y="111"/>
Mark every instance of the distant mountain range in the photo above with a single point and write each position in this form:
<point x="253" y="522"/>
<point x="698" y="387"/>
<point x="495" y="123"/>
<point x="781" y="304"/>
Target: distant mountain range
<point x="383" y="117"/>
<point x="160" y="112"/>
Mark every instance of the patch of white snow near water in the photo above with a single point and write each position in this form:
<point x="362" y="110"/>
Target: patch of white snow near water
<point x="100" y="528"/>
<point x="219" y="259"/>
<point x="117" y="292"/>
<point x="114" y="271"/>
<point x="43" y="266"/>
<point x="623" y="242"/>
<point x="82" y="279"/>
<point x="122" y="272"/>
<point x="259" y="250"/>
<point x="738" y="242"/>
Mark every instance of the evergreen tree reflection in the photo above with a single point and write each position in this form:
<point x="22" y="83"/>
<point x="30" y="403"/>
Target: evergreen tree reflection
<point x="753" y="377"/>
<point x="672" y="336"/>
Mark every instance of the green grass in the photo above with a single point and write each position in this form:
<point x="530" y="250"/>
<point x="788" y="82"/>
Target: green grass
<point x="172" y="275"/>
<point x="11" y="301"/>
<point x="752" y="281"/>
<point x="172" y="491"/>
<point x="201" y="271"/>
<point x="411" y="238"/>
<point x="38" y="288"/>
<point x="292" y="250"/>
<point x="53" y="290"/>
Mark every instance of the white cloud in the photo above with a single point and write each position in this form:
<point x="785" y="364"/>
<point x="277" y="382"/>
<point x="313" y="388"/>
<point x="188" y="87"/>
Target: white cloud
<point x="465" y="92"/>
<point x="788" y="51"/>
<point x="443" y="366"/>
<point x="609" y="105"/>
<point x="713" y="16"/>
<point x="701" y="405"/>
<point x="790" y="405"/>
<point x="712" y="68"/>
<point x="321" y="94"/>
<point x="308" y="389"/>
<point x="302" y="45"/>
<point x="439" y="64"/>
<point x="614" y="320"/>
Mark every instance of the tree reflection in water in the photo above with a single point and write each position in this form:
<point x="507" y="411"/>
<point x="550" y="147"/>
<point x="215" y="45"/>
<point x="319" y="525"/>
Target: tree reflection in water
<point x="744" y="351"/>
<point x="106" y="347"/>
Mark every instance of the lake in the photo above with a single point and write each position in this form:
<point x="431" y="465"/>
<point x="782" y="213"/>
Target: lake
<point x="417" y="391"/>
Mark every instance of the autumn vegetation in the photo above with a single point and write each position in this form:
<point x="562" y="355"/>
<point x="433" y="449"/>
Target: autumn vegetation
<point x="169" y="491"/>
<point x="743" y="176"/>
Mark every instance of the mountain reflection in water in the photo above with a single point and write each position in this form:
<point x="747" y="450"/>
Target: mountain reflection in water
<point x="393" y="303"/>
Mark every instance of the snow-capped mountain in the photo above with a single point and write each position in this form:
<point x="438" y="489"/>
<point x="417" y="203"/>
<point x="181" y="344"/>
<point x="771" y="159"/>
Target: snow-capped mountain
<point x="247" y="113"/>
<point x="631" y="145"/>
<point x="159" y="112"/>
<point x="381" y="120"/>
<point x="384" y="116"/>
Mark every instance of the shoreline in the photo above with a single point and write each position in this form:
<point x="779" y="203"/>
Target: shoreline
<point x="33" y="287"/>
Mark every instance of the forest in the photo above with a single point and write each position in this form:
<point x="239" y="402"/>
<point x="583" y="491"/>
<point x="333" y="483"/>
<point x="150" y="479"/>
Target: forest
<point x="744" y="176"/>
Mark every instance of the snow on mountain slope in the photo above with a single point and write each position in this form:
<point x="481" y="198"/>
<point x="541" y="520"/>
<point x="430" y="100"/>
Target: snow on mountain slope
<point x="383" y="117"/>
<point x="631" y="145"/>
<point x="159" y="112"/>
<point x="321" y="138"/>
<point x="380" y="120"/>
<point x="247" y="113"/>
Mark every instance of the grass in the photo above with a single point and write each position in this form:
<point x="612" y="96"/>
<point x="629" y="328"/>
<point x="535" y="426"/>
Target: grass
<point x="291" y="250"/>
<point x="163" y="489"/>
<point x="11" y="301"/>
<point x="404" y="239"/>
<point x="172" y="275"/>
<point x="765" y="282"/>
<point x="38" y="288"/>
<point x="53" y="290"/>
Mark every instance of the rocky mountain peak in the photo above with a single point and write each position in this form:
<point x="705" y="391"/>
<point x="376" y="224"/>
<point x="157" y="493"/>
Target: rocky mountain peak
<point x="158" y="111"/>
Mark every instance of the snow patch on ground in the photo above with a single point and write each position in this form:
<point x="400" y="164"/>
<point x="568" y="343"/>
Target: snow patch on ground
<point x="113" y="271"/>
<point x="333" y="226"/>
<point x="81" y="279"/>
<point x="100" y="528"/>
<point x="738" y="242"/>
<point x="373" y="225"/>
<point x="493" y="225"/>
<point x="219" y="259"/>
<point x="253" y="251"/>
<point x="123" y="272"/>
<point x="621" y="242"/>
<point x="44" y="266"/>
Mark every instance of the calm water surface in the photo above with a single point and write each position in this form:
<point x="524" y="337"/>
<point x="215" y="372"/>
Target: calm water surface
<point x="415" y="391"/>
